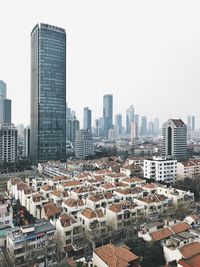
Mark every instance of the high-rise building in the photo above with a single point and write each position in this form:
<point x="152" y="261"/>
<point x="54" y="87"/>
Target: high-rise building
<point x="72" y="126"/>
<point x="48" y="93"/>
<point x="107" y="113"/>
<point x="118" y="124"/>
<point x="8" y="145"/>
<point x="144" y="126"/>
<point x="156" y="126"/>
<point x="27" y="141"/>
<point x="129" y="119"/>
<point x="87" y="118"/>
<point x="5" y="105"/>
<point x="2" y="89"/>
<point x="175" y="139"/>
<point x="83" y="144"/>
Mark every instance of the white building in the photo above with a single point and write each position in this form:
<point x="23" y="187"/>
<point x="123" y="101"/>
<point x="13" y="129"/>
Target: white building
<point x="6" y="212"/>
<point x="188" y="169"/>
<point x="161" y="169"/>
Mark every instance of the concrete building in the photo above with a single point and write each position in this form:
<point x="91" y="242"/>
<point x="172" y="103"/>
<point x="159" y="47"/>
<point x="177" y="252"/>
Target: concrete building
<point x="32" y="244"/>
<point x="6" y="211"/>
<point x="48" y="93"/>
<point x="188" y="169"/>
<point x="118" y="124"/>
<point x="83" y="144"/>
<point x="161" y="169"/>
<point x="175" y="139"/>
<point x="8" y="145"/>
<point x="143" y="130"/>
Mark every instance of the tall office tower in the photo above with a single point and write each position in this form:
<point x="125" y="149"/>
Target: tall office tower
<point x="83" y="144"/>
<point x="96" y="126"/>
<point x="144" y="126"/>
<point x="107" y="113"/>
<point x="27" y="141"/>
<point x="72" y="126"/>
<point x="175" y="139"/>
<point x="193" y="123"/>
<point x="68" y="112"/>
<point x="129" y="119"/>
<point x="48" y="93"/>
<point x="151" y="128"/>
<point x="134" y="131"/>
<point x="2" y="90"/>
<point x="8" y="145"/>
<point x="87" y="118"/>
<point x="137" y="125"/>
<point x="5" y="105"/>
<point x="156" y="126"/>
<point x="101" y="127"/>
<point x="118" y="124"/>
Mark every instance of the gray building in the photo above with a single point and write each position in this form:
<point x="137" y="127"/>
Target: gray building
<point x="129" y="119"/>
<point x="107" y="113"/>
<point x="8" y="145"/>
<point x="48" y="93"/>
<point x="144" y="126"/>
<point x="83" y="144"/>
<point x="5" y="105"/>
<point x="87" y="118"/>
<point x="118" y="124"/>
<point x="175" y="139"/>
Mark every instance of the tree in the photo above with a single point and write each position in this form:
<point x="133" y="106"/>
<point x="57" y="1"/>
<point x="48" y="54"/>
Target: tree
<point x="150" y="253"/>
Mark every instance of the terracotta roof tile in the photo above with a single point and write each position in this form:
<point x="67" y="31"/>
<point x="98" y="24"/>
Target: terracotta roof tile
<point x="190" y="250"/>
<point x="180" y="227"/>
<point x="161" y="234"/>
<point x="116" y="256"/>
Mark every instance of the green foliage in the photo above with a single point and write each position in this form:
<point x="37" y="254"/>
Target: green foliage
<point x="150" y="253"/>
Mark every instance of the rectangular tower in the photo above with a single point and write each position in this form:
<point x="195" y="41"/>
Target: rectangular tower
<point x="48" y="93"/>
<point x="107" y="113"/>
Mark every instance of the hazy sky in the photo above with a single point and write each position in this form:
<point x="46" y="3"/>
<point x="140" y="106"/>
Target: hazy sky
<point x="146" y="53"/>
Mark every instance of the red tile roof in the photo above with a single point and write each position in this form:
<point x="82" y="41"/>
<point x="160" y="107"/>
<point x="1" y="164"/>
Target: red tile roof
<point x="192" y="262"/>
<point x="180" y="227"/>
<point x="116" y="256"/>
<point x="161" y="234"/>
<point x="190" y="250"/>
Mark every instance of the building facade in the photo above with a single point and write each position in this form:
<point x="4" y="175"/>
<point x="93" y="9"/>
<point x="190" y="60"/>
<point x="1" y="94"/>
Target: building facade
<point x="175" y="139"/>
<point x="107" y="113"/>
<point x="5" y="105"/>
<point x="161" y="169"/>
<point x="83" y="144"/>
<point x="48" y="93"/>
<point x="87" y="118"/>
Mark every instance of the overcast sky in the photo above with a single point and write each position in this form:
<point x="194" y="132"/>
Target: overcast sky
<point x="145" y="53"/>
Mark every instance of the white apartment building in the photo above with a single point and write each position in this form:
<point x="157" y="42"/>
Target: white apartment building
<point x="188" y="169"/>
<point x="161" y="169"/>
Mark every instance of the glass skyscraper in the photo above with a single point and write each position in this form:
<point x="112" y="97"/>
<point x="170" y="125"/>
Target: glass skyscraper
<point x="107" y="113"/>
<point x="48" y="93"/>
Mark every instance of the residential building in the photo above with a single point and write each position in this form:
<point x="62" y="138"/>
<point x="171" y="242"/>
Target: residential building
<point x="32" y="244"/>
<point x="83" y="144"/>
<point x="175" y="139"/>
<point x="110" y="256"/>
<point x="161" y="169"/>
<point x="48" y="93"/>
<point x="8" y="145"/>
<point x="188" y="169"/>
<point x="6" y="211"/>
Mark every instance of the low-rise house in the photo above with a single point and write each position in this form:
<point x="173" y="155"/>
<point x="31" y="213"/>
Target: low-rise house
<point x="94" y="222"/>
<point x="188" y="169"/>
<point x="73" y="206"/>
<point x="83" y="192"/>
<point x="6" y="211"/>
<point x="70" y="185"/>
<point x="57" y="196"/>
<point x="132" y="182"/>
<point x="38" y="182"/>
<point x="32" y="244"/>
<point x="51" y="212"/>
<point x="129" y="193"/>
<point x="112" y="256"/>
<point x="47" y="189"/>
<point x="193" y="261"/>
<point x="100" y="200"/>
<point x="69" y="234"/>
<point x="192" y="219"/>
<point x="121" y="214"/>
<point x="36" y="204"/>
<point x="114" y="177"/>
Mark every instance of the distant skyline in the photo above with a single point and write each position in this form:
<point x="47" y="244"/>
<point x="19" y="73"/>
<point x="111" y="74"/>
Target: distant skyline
<point x="145" y="53"/>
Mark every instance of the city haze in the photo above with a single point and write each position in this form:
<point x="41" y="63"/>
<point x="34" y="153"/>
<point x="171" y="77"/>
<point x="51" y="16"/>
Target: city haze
<point x="145" y="53"/>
